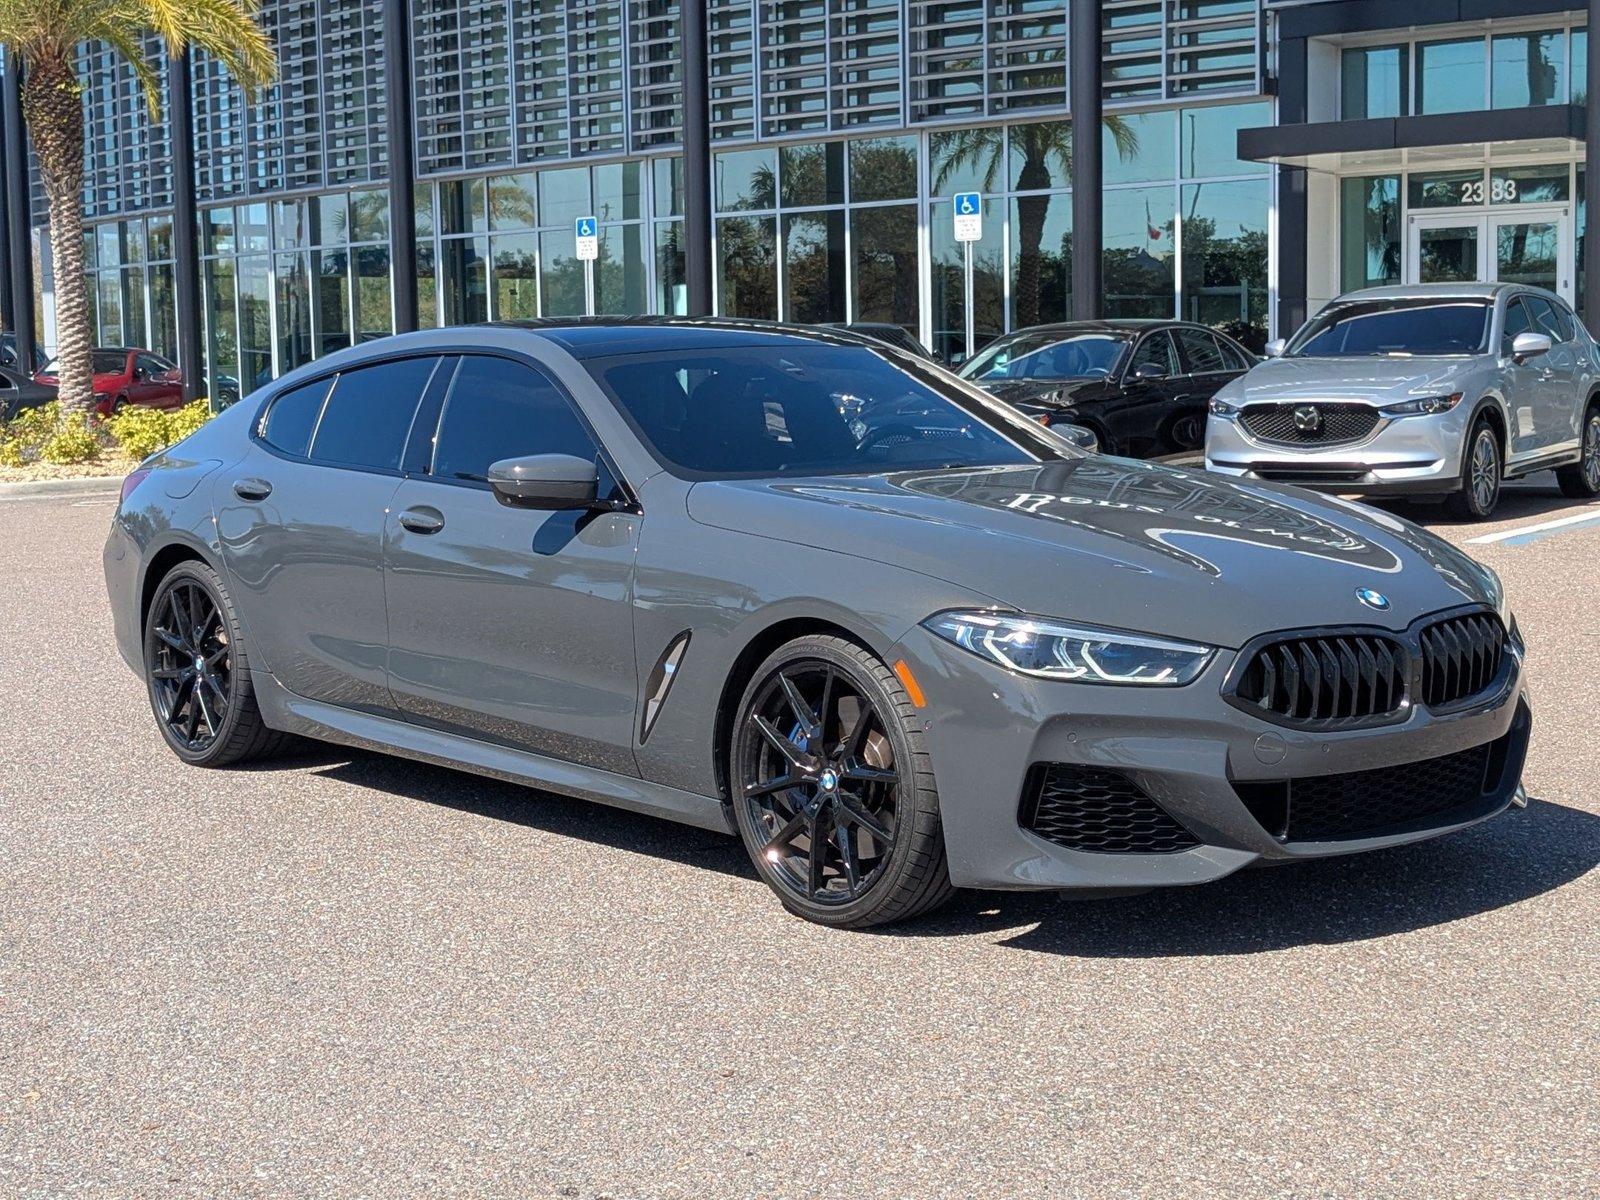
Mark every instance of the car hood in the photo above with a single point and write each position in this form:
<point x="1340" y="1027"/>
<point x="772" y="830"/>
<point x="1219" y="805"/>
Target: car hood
<point x="1119" y="543"/>
<point x="100" y="383"/>
<point x="1373" y="380"/>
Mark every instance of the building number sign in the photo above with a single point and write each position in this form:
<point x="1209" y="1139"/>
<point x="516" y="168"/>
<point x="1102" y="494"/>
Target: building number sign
<point x="1501" y="190"/>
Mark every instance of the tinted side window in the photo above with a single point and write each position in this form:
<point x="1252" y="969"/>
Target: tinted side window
<point x="501" y="409"/>
<point x="369" y="414"/>
<point x="1545" y="319"/>
<point x="1517" y="321"/>
<point x="293" y="416"/>
<point x="1565" y="321"/>
<point x="1156" y="350"/>
<point x="1199" y="351"/>
<point x="1232" y="356"/>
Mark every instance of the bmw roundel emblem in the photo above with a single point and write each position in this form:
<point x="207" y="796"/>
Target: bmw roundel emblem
<point x="1372" y="598"/>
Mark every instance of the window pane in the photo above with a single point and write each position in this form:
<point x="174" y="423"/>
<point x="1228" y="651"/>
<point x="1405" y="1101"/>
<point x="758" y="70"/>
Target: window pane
<point x="1369" y="231"/>
<point x="222" y="327"/>
<point x="1137" y="266"/>
<point x="499" y="409"/>
<point x="1529" y="69"/>
<point x="160" y="239"/>
<point x="1156" y="351"/>
<point x="369" y="414"/>
<point x="885" y="242"/>
<point x="374" y="315"/>
<point x="255" y="328"/>
<point x="1450" y="76"/>
<point x="463" y="206"/>
<point x="294" y="312"/>
<point x="511" y="202"/>
<point x="516" y="270"/>
<point x="1373" y="82"/>
<point x="1139" y="146"/>
<point x="1041" y="258"/>
<point x="669" y="187"/>
<point x="812" y="174"/>
<point x="111" y="310"/>
<point x="1517" y="321"/>
<point x="564" y="197"/>
<point x="1211" y="139"/>
<point x="1529" y="185"/>
<point x="330" y="269"/>
<point x="1445" y="189"/>
<point x="1580" y="76"/>
<point x="133" y="307"/>
<point x="252" y="227"/>
<point x="561" y="273"/>
<point x="619" y="275"/>
<point x="293" y="417"/>
<point x="672" y="289"/>
<point x="424" y="200"/>
<point x="747" y="275"/>
<point x="949" y="293"/>
<point x="217" y="227"/>
<point x="369" y="216"/>
<point x="466" y="290"/>
<point x="1040" y="155"/>
<point x="966" y="160"/>
<point x="427" y="287"/>
<point x="1225" y="257"/>
<point x="883" y="169"/>
<point x="163" y="312"/>
<point x="289" y="224"/>
<point x="813" y="265"/>
<point x="330" y="220"/>
<point x="744" y="179"/>
<point x="1199" y="351"/>
<point x="617" y="192"/>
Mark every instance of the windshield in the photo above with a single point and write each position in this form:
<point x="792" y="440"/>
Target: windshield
<point x="1378" y="328"/>
<point x="104" y="362"/>
<point x="1048" y="356"/>
<point x="755" y="411"/>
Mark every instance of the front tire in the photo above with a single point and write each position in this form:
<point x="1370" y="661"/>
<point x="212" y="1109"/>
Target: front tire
<point x="1581" y="481"/>
<point x="198" y="675"/>
<point x="833" y="790"/>
<point x="1482" y="472"/>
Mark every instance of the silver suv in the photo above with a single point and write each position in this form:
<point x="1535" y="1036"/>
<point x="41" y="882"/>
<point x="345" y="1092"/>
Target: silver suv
<point x="1443" y="390"/>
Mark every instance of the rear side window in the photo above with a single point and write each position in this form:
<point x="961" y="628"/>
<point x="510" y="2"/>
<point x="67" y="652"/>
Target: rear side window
<point x="1547" y="319"/>
<point x="1200" y="351"/>
<point x="501" y="409"/>
<point x="293" y="416"/>
<point x="369" y="414"/>
<point x="1235" y="358"/>
<point x="1156" y="350"/>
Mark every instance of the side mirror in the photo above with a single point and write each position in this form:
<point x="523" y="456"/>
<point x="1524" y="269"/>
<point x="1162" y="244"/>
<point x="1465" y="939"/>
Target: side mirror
<point x="1276" y="347"/>
<point x="1149" y="372"/>
<point x="548" y="481"/>
<point x="1530" y="345"/>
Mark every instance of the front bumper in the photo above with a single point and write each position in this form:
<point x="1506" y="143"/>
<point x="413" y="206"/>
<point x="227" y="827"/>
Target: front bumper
<point x="1404" y="456"/>
<point x="1185" y="747"/>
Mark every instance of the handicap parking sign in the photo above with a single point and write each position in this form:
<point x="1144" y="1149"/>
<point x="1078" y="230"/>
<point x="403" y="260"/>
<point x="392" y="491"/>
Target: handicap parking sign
<point x="588" y="231"/>
<point x="969" y="216"/>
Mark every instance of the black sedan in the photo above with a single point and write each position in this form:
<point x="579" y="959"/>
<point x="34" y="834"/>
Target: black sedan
<point x="1141" y="386"/>
<point x="18" y="392"/>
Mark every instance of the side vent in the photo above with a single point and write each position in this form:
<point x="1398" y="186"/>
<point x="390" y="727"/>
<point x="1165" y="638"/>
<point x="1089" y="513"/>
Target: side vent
<point x="660" y="682"/>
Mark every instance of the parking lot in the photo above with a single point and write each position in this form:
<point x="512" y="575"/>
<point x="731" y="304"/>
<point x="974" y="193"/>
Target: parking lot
<point x="344" y="973"/>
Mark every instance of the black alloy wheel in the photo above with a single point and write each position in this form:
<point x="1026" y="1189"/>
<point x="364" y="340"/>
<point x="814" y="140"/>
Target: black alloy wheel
<point x="832" y="792"/>
<point x="1581" y="481"/>
<point x="197" y="674"/>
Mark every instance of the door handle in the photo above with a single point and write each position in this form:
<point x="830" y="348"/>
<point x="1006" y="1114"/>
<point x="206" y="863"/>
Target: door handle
<point x="422" y="520"/>
<point x="252" y="489"/>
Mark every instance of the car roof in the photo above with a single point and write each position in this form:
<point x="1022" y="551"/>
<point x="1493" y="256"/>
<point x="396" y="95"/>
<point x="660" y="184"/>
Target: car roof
<point x="600" y="337"/>
<point x="1110" y="325"/>
<point x="1433" y="291"/>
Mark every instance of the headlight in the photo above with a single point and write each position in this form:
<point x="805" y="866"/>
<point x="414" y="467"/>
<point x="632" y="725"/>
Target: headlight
<point x="1223" y="408"/>
<point x="1050" y="649"/>
<point x="1422" y="406"/>
<point x="1497" y="594"/>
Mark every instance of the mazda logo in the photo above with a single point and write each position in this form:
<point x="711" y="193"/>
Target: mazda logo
<point x="1308" y="418"/>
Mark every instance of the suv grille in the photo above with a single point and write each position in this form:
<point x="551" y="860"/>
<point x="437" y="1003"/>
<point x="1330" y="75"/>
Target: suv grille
<point x="1461" y="657"/>
<point x="1323" y="808"/>
<point x="1325" y="679"/>
<point x="1105" y="812"/>
<point x="1334" y="423"/>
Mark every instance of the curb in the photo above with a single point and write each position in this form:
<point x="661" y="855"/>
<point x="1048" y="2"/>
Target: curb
<point x="83" y="485"/>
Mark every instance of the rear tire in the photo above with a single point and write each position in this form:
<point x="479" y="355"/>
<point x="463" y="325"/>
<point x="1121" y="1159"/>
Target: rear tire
<point x="833" y="790"/>
<point x="1482" y="473"/>
<point x="197" y="673"/>
<point x="1581" y="481"/>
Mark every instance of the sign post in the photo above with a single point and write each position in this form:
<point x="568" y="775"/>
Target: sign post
<point x="588" y="233"/>
<point x="968" y="210"/>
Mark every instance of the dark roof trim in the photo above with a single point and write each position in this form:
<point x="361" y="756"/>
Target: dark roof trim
<point x="1273" y="142"/>
<point x="1369" y="16"/>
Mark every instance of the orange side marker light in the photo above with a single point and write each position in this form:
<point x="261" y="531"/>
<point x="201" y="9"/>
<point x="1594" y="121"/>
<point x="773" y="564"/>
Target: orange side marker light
<point x="902" y="672"/>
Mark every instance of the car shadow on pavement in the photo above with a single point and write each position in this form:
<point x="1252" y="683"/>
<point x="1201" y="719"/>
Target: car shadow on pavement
<point x="1516" y="504"/>
<point x="1514" y="857"/>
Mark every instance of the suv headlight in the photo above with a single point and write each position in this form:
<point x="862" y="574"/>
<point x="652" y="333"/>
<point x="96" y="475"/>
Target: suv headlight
<point x="1222" y="408"/>
<point x="1422" y="406"/>
<point x="1050" y="649"/>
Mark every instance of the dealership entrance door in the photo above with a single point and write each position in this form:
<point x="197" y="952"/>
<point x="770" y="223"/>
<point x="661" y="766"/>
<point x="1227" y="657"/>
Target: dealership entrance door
<point x="1514" y="244"/>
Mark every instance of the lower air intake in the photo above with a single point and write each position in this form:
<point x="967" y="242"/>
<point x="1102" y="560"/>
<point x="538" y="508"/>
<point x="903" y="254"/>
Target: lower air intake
<point x="1099" y="811"/>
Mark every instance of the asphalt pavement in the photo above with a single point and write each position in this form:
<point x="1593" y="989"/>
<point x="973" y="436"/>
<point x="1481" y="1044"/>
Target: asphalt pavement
<point x="347" y="975"/>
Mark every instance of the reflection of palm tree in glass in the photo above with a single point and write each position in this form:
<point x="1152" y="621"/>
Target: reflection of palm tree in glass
<point x="1038" y="147"/>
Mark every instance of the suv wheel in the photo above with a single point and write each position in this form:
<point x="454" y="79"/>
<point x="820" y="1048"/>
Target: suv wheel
<point x="1481" y="474"/>
<point x="1581" y="480"/>
<point x="832" y="788"/>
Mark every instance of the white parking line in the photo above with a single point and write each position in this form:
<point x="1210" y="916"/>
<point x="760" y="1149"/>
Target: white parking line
<point x="1531" y="531"/>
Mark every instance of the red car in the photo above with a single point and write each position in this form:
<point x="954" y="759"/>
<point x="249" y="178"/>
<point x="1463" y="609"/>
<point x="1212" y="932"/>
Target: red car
<point x="123" y="377"/>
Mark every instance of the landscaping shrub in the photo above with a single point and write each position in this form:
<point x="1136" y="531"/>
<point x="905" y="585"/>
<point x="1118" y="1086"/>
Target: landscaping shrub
<point x="143" y="431"/>
<point x="73" y="442"/>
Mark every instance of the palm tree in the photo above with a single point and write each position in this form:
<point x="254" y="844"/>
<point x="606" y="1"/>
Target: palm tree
<point x="982" y="151"/>
<point x="42" y="37"/>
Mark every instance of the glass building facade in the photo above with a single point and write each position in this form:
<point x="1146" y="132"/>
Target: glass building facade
<point x="841" y="130"/>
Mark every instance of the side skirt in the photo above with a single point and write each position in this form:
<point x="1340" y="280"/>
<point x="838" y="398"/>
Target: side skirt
<point x="284" y="710"/>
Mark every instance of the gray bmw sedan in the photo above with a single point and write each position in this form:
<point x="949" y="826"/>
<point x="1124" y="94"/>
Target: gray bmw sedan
<point x="814" y="591"/>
